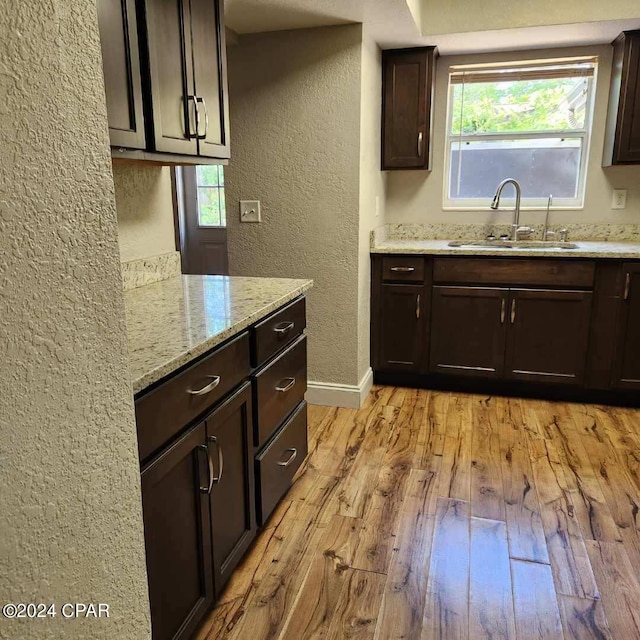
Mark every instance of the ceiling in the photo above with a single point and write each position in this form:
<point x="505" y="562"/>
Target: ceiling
<point x="392" y="24"/>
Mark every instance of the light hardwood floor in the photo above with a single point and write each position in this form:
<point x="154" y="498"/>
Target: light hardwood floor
<point x="428" y="515"/>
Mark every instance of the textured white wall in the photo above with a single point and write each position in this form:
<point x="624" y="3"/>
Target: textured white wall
<point x="416" y="196"/>
<point x="372" y="187"/>
<point x="70" y="514"/>
<point x="145" y="210"/>
<point x="455" y="16"/>
<point x="295" y="123"/>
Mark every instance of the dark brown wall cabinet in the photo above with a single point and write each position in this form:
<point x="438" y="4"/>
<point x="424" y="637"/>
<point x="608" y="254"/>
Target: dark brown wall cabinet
<point x="407" y="105"/>
<point x="622" y="142"/>
<point x="168" y="60"/>
<point x="626" y="371"/>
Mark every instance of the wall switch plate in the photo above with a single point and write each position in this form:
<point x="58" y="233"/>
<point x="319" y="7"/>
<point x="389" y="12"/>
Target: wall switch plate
<point x="250" y="211"/>
<point x="619" y="200"/>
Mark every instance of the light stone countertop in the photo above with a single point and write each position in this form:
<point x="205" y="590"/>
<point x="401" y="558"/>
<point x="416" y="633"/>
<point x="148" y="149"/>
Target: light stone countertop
<point x="169" y="323"/>
<point x="586" y="249"/>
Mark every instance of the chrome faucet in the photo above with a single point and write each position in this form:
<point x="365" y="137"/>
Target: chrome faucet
<point x="516" y="229"/>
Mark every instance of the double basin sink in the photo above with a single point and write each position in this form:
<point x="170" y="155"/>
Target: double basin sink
<point x="514" y="244"/>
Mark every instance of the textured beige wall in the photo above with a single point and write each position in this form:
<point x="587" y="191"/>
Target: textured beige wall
<point x="70" y="515"/>
<point x="295" y="122"/>
<point x="372" y="187"/>
<point x="416" y="196"/>
<point x="145" y="210"/>
<point x="456" y="16"/>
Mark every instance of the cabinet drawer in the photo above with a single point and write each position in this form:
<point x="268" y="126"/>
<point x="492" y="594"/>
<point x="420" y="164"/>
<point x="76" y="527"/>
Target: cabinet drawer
<point x="503" y="271"/>
<point x="165" y="411"/>
<point x="403" y="269"/>
<point x="279" y="388"/>
<point x="278" y="463"/>
<point x="278" y="330"/>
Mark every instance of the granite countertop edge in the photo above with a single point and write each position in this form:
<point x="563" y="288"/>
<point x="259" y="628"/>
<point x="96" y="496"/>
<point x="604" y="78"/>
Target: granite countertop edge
<point x="586" y="249"/>
<point x="143" y="382"/>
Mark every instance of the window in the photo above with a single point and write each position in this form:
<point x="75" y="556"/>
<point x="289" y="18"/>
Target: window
<point x="210" y="199"/>
<point x="529" y="121"/>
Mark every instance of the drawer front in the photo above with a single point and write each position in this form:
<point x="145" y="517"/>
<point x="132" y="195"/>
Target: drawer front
<point x="278" y="463"/>
<point x="403" y="269"/>
<point x="278" y="330"/>
<point x="279" y="388"/>
<point x="501" y="271"/>
<point x="165" y="411"/>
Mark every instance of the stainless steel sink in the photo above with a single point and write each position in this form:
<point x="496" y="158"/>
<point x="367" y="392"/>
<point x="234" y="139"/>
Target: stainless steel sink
<point x="514" y="244"/>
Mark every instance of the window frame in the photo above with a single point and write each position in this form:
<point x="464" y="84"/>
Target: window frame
<point x="532" y="204"/>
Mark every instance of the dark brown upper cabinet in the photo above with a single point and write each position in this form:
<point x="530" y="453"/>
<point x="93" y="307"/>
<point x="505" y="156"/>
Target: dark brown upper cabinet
<point x="626" y="371"/>
<point x="407" y="107"/>
<point x="121" y="66"/>
<point x="622" y="141"/>
<point x="165" y="65"/>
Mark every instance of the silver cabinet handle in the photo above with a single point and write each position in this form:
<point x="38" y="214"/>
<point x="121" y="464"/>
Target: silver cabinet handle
<point x="420" y="143"/>
<point x="627" y="286"/>
<point x="215" y="381"/>
<point x="207" y="489"/>
<point x="513" y="311"/>
<point x="216" y="479"/>
<point x="206" y="118"/>
<point x="284" y="327"/>
<point x="197" y="112"/>
<point x="290" y="459"/>
<point x="418" y="306"/>
<point x="288" y="386"/>
<point x="503" y="310"/>
<point x="403" y="269"/>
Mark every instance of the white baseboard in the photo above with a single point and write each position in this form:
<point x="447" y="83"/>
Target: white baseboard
<point x="348" y="396"/>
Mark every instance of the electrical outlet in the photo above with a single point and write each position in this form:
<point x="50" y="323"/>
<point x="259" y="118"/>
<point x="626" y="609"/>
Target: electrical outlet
<point x="619" y="200"/>
<point x="250" y="211"/>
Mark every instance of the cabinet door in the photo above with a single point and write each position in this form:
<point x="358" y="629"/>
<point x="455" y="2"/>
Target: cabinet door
<point x="177" y="530"/>
<point x="233" y="522"/>
<point x="548" y="336"/>
<point x="408" y="78"/>
<point x="402" y="325"/>
<point x="626" y="372"/>
<point x="171" y="71"/>
<point x="121" y="66"/>
<point x="210" y="70"/>
<point x="468" y="329"/>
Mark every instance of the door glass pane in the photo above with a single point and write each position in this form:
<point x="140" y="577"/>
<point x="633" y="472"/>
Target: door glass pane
<point x="211" y="196"/>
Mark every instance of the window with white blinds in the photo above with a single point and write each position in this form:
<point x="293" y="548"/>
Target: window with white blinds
<point x="529" y="121"/>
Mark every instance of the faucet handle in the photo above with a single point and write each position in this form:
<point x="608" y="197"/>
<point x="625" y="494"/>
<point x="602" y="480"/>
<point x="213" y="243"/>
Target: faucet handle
<point x="526" y="232"/>
<point x="564" y="234"/>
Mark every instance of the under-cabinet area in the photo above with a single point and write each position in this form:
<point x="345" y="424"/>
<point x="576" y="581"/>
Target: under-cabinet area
<point x="220" y="436"/>
<point x="537" y="325"/>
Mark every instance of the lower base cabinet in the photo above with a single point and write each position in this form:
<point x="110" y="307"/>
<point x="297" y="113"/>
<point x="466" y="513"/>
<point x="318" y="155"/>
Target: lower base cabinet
<point x="626" y="368"/>
<point x="176" y="508"/>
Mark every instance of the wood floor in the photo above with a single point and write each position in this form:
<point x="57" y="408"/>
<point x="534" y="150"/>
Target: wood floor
<point x="429" y="515"/>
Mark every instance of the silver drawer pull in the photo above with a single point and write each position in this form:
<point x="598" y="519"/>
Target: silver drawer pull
<point x="216" y="479"/>
<point x="215" y="381"/>
<point x="287" y="386"/>
<point x="290" y="459"/>
<point x="403" y="269"/>
<point x="284" y="327"/>
<point x="210" y="481"/>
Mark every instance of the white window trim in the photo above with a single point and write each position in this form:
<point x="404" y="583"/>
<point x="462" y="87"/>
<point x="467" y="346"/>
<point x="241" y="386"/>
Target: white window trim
<point x="527" y="204"/>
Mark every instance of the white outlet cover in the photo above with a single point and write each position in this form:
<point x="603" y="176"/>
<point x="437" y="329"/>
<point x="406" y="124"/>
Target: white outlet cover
<point x="619" y="199"/>
<point x="250" y="211"/>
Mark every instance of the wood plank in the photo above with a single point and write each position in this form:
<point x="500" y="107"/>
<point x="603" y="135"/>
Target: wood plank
<point x="490" y="593"/>
<point x="358" y="607"/>
<point x="381" y="520"/>
<point x="405" y="590"/>
<point x="620" y="588"/>
<point x="524" y="522"/>
<point x="487" y="496"/>
<point x="535" y="602"/>
<point x="455" y="470"/>
<point x="583" y="619"/>
<point x="446" y="614"/>
<point x="319" y="595"/>
<point x="433" y="427"/>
